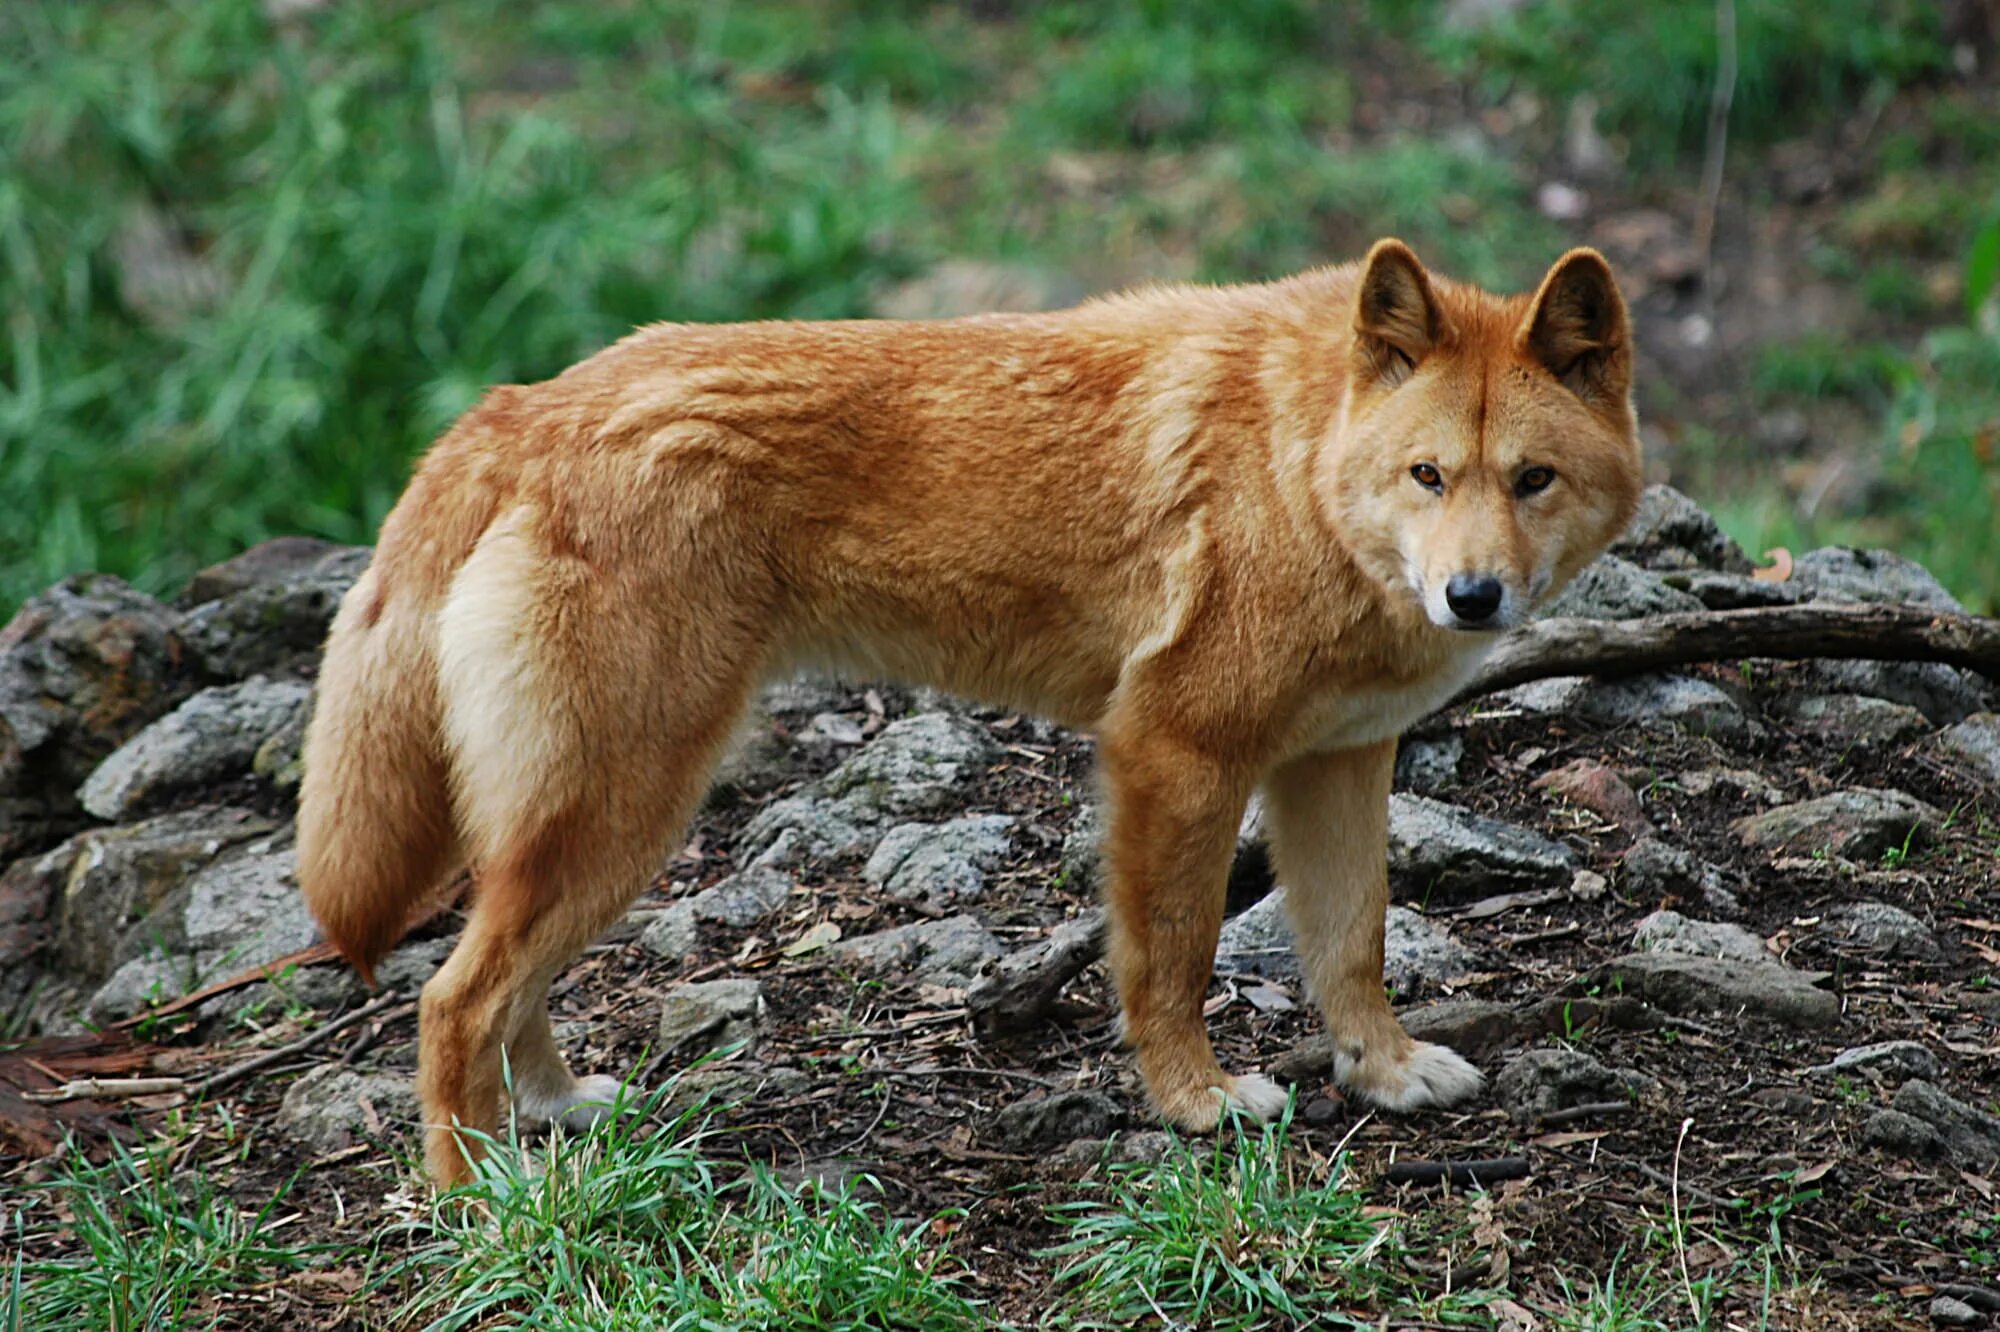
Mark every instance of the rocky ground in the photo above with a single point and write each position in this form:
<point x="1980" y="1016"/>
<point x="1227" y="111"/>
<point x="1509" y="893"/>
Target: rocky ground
<point x="1727" y="941"/>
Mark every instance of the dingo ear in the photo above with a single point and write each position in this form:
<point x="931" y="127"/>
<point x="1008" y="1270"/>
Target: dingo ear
<point x="1396" y="316"/>
<point x="1576" y="326"/>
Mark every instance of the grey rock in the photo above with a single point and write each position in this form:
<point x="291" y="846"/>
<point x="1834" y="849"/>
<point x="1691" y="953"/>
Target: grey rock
<point x="1975" y="744"/>
<point x="803" y="695"/>
<point x="1473" y="1027"/>
<point x="1890" y="1061"/>
<point x="1062" y="1116"/>
<point x="1884" y="930"/>
<point x="1558" y="693"/>
<point x="273" y="616"/>
<point x="830" y="730"/>
<point x="140" y="983"/>
<point x="937" y="863"/>
<point x="786" y="832"/>
<point x="1695" y="705"/>
<point x="1944" y="694"/>
<point x="945" y="952"/>
<point x="244" y="909"/>
<point x="1538" y="1082"/>
<point x="1671" y="932"/>
<point x="118" y="891"/>
<point x="1677" y="983"/>
<point x="1416" y="950"/>
<point x="1969" y="1135"/>
<point x="280" y="760"/>
<point x="1905" y="1134"/>
<point x="1671" y="531"/>
<point x="1441" y="852"/>
<point x="671" y="934"/>
<point x="707" y="1015"/>
<point x="743" y="899"/>
<point x="757" y="759"/>
<point x="330" y="1108"/>
<point x="1857" y="719"/>
<point x="1947" y="1311"/>
<point x="1653" y="870"/>
<point x="1610" y="588"/>
<point x="1145" y="1147"/>
<point x="1081" y="859"/>
<point x="1747" y="783"/>
<point x="83" y="667"/>
<point x="1844" y="574"/>
<point x="1858" y="824"/>
<point x="210" y="738"/>
<point x="1732" y="591"/>
<point x="1428" y="766"/>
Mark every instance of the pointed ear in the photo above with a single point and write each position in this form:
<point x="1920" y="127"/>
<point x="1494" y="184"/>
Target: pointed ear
<point x="1576" y="326"/>
<point x="1396" y="317"/>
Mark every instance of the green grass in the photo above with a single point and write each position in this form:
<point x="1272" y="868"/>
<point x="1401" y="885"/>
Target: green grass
<point x="153" y="1244"/>
<point x="1239" y="1235"/>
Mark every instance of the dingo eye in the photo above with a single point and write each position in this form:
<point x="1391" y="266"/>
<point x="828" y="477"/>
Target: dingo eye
<point x="1535" y="480"/>
<point x="1428" y="477"/>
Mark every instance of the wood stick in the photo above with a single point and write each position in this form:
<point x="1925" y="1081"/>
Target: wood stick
<point x="106" y="1089"/>
<point x="1593" y="1110"/>
<point x="235" y="1073"/>
<point x="1784" y="633"/>
<point x="1019" y="990"/>
<point x="1462" y="1174"/>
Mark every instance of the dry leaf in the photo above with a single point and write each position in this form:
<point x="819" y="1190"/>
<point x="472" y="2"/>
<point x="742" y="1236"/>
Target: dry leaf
<point x="814" y="939"/>
<point x="1780" y="569"/>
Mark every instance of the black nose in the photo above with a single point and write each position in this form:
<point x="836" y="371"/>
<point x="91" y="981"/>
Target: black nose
<point x="1473" y="598"/>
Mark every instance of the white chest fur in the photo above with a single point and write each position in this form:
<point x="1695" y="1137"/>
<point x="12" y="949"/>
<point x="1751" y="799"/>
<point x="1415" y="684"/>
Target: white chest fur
<point x="1364" y="716"/>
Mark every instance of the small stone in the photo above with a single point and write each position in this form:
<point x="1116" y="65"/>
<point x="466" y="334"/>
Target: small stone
<point x="830" y="730"/>
<point x="937" y="863"/>
<point x="1428" y="766"/>
<point x="1687" y="985"/>
<point x="1904" y="1134"/>
<point x="671" y="934"/>
<point x="1859" y="823"/>
<point x="1081" y="860"/>
<point x="330" y="1108"/>
<point x="1967" y="1133"/>
<point x="1697" y="706"/>
<point x="1322" y="1110"/>
<point x="1416" y="950"/>
<point x="1844" y="574"/>
<point x="1946" y="1311"/>
<point x="1588" y="886"/>
<point x="741" y="900"/>
<point x="210" y="738"/>
<point x="1058" y="1117"/>
<point x="1884" y="930"/>
<point x="139" y="984"/>
<point x="1974" y="744"/>
<point x="245" y="909"/>
<point x="1944" y="694"/>
<point x="945" y="952"/>
<point x="1610" y="588"/>
<point x="1146" y="1147"/>
<point x="1552" y="1078"/>
<point x="1671" y="531"/>
<point x="1892" y="1061"/>
<point x="1597" y="787"/>
<point x="1748" y="783"/>
<point x="1473" y="1027"/>
<point x="274" y="618"/>
<point x="1857" y="719"/>
<point x="1671" y="932"/>
<point x="1440" y="852"/>
<point x="708" y="1015"/>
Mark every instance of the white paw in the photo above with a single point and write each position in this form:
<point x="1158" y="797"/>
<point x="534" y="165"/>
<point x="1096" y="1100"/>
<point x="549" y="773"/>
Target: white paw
<point x="591" y="1101"/>
<point x="1432" y="1076"/>
<point x="1256" y="1096"/>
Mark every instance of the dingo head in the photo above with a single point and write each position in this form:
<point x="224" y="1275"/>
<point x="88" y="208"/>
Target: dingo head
<point x="1488" y="448"/>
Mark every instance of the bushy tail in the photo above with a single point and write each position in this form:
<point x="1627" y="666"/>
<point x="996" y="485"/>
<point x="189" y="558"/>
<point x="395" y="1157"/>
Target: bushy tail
<point x="375" y="832"/>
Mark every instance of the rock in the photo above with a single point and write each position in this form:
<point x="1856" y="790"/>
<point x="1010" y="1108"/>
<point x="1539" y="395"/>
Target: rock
<point x="1598" y="788"/>
<point x="1697" y="706"/>
<point x="1442" y="853"/>
<point x="140" y="983"/>
<point x="944" y="952"/>
<point x="1975" y="744"/>
<point x="1857" y="719"/>
<point x="1965" y="1133"/>
<point x="120" y="891"/>
<point x="1653" y="871"/>
<point x="1944" y="694"/>
<point x="742" y="899"/>
<point x="671" y="934"/>
<point x="936" y="863"/>
<point x="1884" y="930"/>
<point x="1844" y="574"/>
<point x="1748" y="783"/>
<point x="1894" y="1062"/>
<point x="956" y="287"/>
<point x="1859" y="823"/>
<point x="1428" y="766"/>
<point x="1671" y="932"/>
<point x="830" y="730"/>
<point x="267" y="611"/>
<point x="1558" y="693"/>
<point x="244" y="909"/>
<point x="83" y="667"/>
<point x="707" y="1015"/>
<point x="756" y="759"/>
<point x="1671" y="531"/>
<point x="1081" y="863"/>
<point x="1904" y="1134"/>
<point x="1588" y="885"/>
<point x="1059" y="1117"/>
<point x="1473" y="1027"/>
<point x="1610" y="588"/>
<point x="1730" y="591"/>
<point x="1677" y="983"/>
<point x="1416" y="950"/>
<point x="1541" y="1081"/>
<point x="1947" y="1311"/>
<point x="330" y="1108"/>
<point x="280" y="760"/>
<point x="210" y="738"/>
<point x="1146" y="1147"/>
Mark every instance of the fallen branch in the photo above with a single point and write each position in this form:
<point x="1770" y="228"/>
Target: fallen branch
<point x="106" y="1089"/>
<point x="1782" y="633"/>
<point x="1462" y="1174"/>
<point x="235" y="1073"/>
<point x="1018" y="990"/>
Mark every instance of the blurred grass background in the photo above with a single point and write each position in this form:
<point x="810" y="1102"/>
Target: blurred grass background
<point x="253" y="257"/>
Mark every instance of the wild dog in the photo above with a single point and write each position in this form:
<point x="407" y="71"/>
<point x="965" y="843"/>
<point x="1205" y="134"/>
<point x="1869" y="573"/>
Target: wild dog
<point x="1245" y="535"/>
